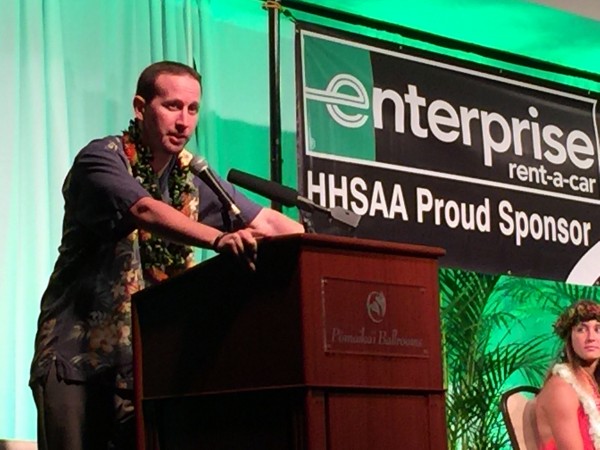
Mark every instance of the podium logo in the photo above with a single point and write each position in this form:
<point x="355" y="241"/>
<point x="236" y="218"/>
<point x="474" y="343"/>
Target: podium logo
<point x="376" y="306"/>
<point x="343" y="90"/>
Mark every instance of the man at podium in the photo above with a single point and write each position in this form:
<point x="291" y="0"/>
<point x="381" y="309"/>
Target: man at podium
<point x="135" y="205"/>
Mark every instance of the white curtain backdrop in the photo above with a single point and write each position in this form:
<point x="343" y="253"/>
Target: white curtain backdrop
<point x="68" y="72"/>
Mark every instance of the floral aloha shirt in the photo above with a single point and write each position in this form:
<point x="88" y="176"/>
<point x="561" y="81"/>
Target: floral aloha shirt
<point x="84" y="325"/>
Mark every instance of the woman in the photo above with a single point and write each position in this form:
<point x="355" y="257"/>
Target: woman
<point x="567" y="411"/>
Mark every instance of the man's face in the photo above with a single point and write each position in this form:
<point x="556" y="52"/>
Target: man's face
<point x="170" y="118"/>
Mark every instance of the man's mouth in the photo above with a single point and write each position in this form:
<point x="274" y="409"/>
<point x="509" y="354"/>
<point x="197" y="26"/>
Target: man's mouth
<point x="177" y="138"/>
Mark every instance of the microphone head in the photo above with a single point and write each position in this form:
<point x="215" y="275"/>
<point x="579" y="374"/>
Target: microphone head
<point x="266" y="188"/>
<point x="198" y="164"/>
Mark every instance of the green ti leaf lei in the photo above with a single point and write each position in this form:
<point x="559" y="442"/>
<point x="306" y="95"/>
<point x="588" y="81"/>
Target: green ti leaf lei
<point x="160" y="258"/>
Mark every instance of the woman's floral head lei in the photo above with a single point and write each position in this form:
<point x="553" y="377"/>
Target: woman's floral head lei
<point x="581" y="311"/>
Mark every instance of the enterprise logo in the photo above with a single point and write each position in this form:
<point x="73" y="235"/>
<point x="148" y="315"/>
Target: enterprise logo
<point x="524" y="134"/>
<point x="333" y="97"/>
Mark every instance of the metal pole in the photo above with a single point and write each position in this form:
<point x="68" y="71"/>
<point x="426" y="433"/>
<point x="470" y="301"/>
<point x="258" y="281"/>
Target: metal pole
<point x="274" y="99"/>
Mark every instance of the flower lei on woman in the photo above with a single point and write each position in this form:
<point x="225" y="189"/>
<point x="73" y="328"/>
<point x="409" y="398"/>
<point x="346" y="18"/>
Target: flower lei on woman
<point x="587" y="401"/>
<point x="160" y="259"/>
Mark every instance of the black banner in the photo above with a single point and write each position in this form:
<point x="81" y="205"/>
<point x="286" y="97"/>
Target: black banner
<point x="500" y="170"/>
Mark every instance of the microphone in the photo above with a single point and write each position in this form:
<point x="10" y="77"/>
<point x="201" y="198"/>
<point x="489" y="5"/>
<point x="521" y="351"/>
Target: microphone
<point x="274" y="191"/>
<point x="289" y="197"/>
<point x="199" y="167"/>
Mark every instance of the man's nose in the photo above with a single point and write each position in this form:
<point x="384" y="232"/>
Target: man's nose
<point x="184" y="119"/>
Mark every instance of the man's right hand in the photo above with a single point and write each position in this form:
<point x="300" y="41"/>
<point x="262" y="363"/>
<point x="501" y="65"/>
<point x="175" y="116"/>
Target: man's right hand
<point x="241" y="243"/>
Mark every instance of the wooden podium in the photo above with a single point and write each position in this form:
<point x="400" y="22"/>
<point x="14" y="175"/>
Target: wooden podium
<point x="332" y="344"/>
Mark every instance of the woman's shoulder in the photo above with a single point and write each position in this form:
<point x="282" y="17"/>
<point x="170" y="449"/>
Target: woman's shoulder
<point x="556" y="382"/>
<point x="557" y="393"/>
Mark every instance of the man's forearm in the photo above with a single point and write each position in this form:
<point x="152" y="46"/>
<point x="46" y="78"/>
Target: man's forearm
<point x="160" y="218"/>
<point x="269" y="222"/>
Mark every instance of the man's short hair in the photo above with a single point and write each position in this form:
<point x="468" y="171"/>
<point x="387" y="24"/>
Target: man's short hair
<point x="146" y="85"/>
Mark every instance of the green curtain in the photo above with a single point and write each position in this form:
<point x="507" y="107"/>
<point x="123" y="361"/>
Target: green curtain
<point x="67" y="74"/>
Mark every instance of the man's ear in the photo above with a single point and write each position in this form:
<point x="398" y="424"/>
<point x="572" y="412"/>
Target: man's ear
<point x="139" y="105"/>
